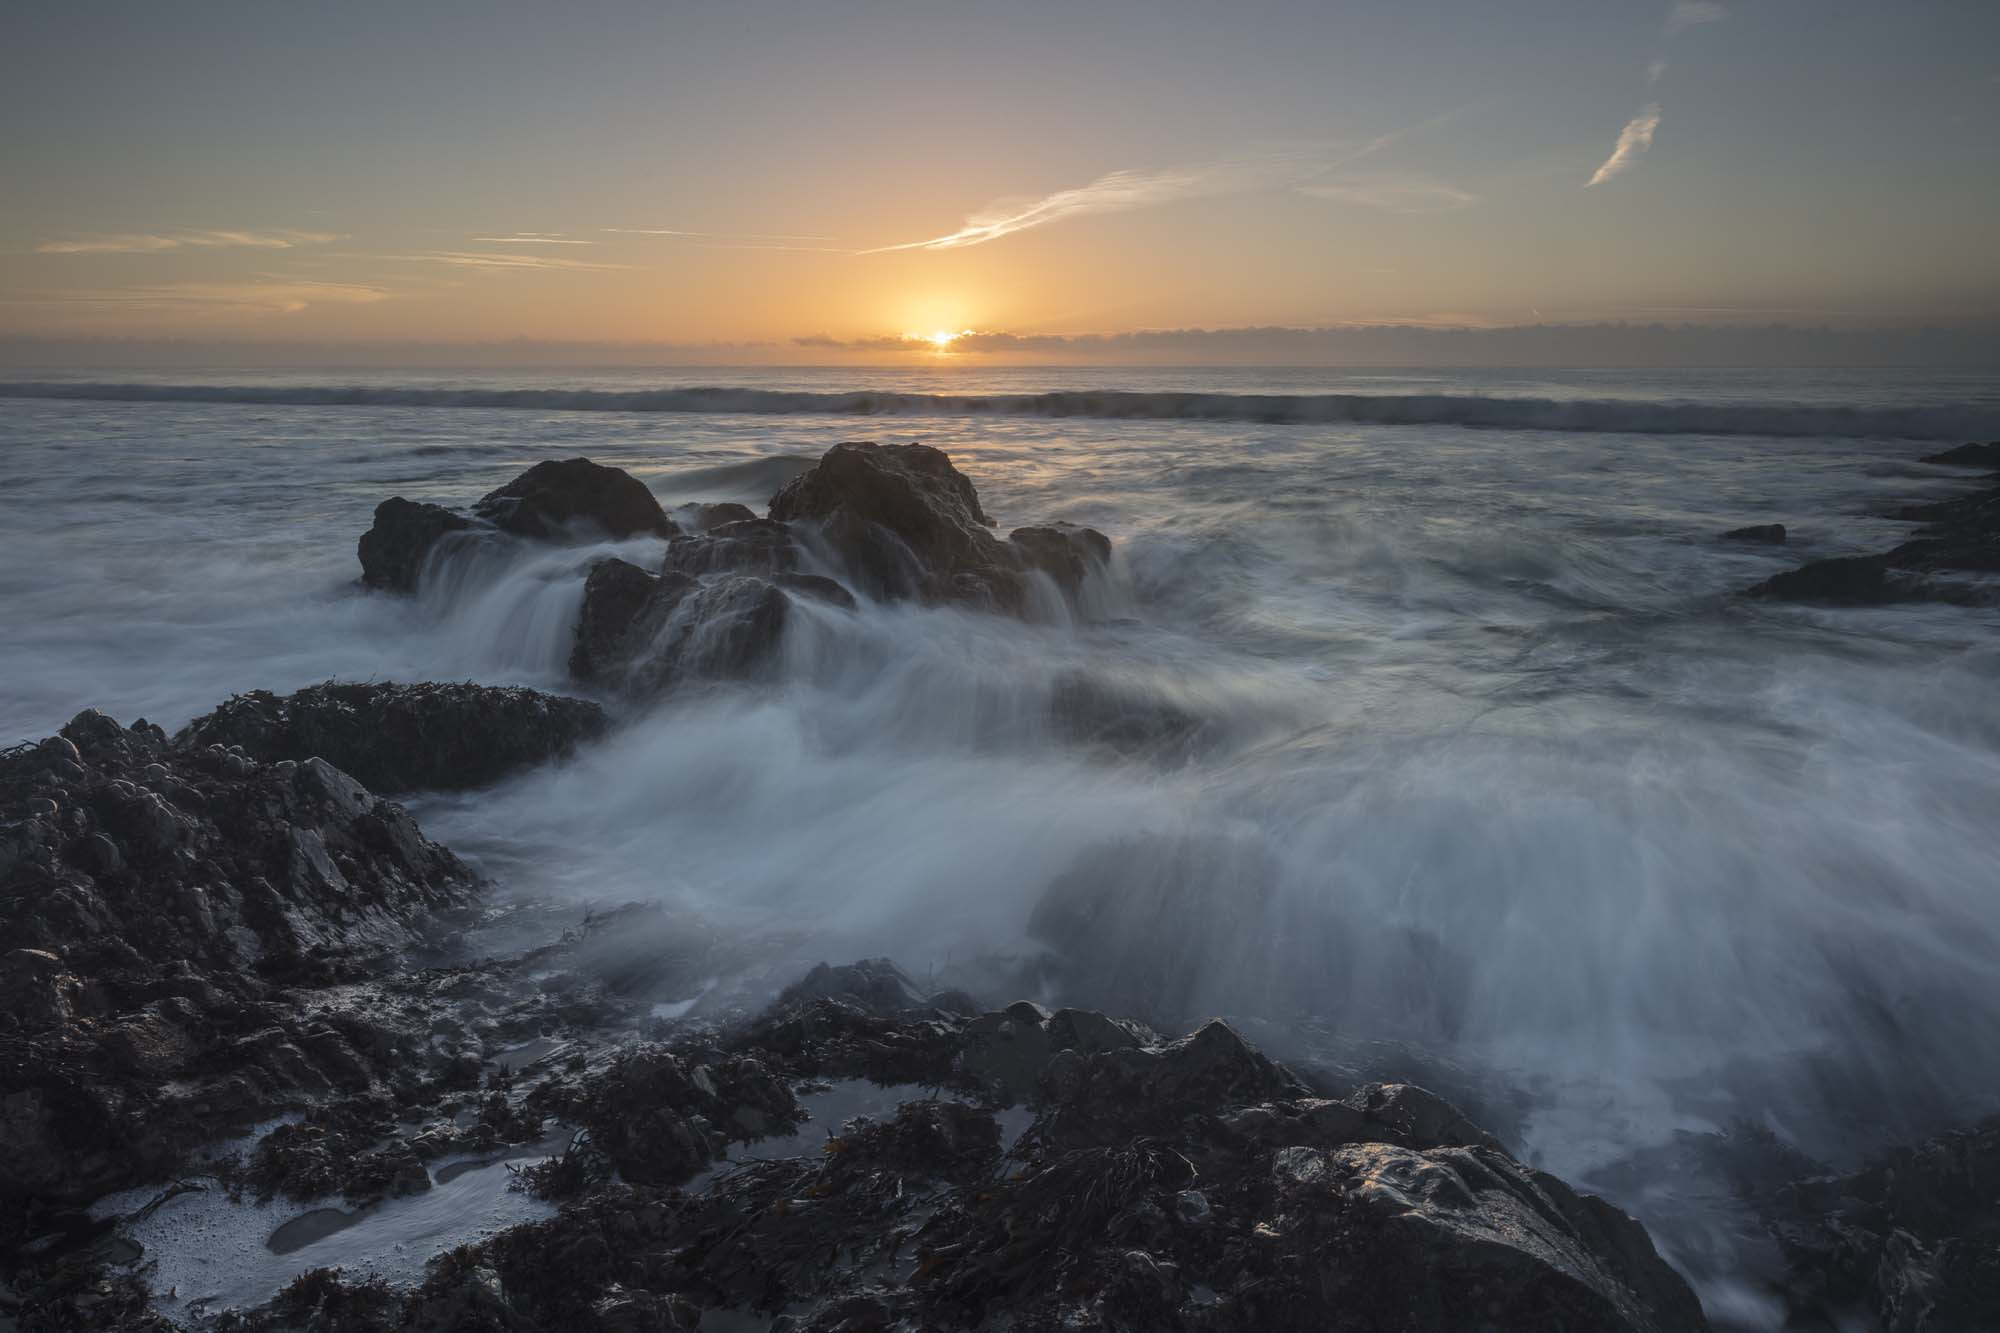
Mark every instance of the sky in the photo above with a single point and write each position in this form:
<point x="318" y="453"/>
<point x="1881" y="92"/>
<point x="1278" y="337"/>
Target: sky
<point x="869" y="181"/>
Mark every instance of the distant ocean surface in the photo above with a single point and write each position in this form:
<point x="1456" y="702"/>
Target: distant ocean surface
<point x="1461" y="650"/>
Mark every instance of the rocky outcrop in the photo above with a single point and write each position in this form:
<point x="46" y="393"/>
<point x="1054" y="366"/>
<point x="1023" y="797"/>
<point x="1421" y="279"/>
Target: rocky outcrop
<point x="1910" y="1242"/>
<point x="1960" y="537"/>
<point x="554" y="497"/>
<point x="1767" y="534"/>
<point x="157" y="898"/>
<point x="902" y="522"/>
<point x="1969" y="455"/>
<point x="393" y="550"/>
<point x="397" y="738"/>
<point x="1190" y="1184"/>
<point x="551" y="501"/>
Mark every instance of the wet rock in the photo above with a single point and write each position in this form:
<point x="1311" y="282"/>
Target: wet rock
<point x="1969" y="455"/>
<point x="660" y="1118"/>
<point x="746" y="546"/>
<point x="704" y="517"/>
<point x="902" y="522"/>
<point x="1911" y="1241"/>
<point x="396" y="738"/>
<point x="1960" y="537"/>
<point x="1768" y="534"/>
<point x="644" y="634"/>
<point x="875" y="984"/>
<point x="393" y="550"/>
<point x="141" y="977"/>
<point x="553" y="497"/>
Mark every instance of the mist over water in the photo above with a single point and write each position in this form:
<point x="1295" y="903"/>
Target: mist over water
<point x="1425" y="733"/>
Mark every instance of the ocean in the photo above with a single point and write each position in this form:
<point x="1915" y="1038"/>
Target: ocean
<point x="1450" y="740"/>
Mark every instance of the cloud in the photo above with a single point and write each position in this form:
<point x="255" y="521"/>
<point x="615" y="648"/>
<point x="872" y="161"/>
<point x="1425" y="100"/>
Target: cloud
<point x="1654" y="71"/>
<point x="1691" y="13"/>
<point x="139" y="243"/>
<point x="1633" y="141"/>
<point x="1414" y="193"/>
<point x="480" y="259"/>
<point x="277" y="295"/>
<point x="530" y="238"/>
<point x="726" y="240"/>
<point x="1122" y="191"/>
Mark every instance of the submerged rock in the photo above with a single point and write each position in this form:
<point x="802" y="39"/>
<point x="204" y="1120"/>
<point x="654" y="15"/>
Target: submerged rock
<point x="1969" y="455"/>
<point x="553" y="496"/>
<point x="1960" y="536"/>
<point x="396" y="738"/>
<point x="1769" y="534"/>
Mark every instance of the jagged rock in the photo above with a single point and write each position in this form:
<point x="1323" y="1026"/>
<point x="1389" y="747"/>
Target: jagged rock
<point x="876" y="984"/>
<point x="1066" y="553"/>
<point x="1768" y="534"/>
<point x="555" y="495"/>
<point x="396" y="738"/>
<point x="393" y="549"/>
<point x="142" y="975"/>
<point x="1911" y="1241"/>
<point x="704" y="517"/>
<point x="659" y="1118"/>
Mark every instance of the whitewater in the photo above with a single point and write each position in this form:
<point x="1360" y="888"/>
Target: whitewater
<point x="1437" y="733"/>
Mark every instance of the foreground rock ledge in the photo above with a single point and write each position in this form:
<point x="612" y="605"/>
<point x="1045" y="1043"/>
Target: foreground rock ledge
<point x="1184" y="1184"/>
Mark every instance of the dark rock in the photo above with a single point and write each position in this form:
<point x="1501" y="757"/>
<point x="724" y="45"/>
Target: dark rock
<point x="642" y="634"/>
<point x="1969" y="455"/>
<point x="553" y="496"/>
<point x="1063" y="551"/>
<point x="1911" y="1241"/>
<point x="902" y="522"/>
<point x="704" y="517"/>
<point x="1960" y="536"/>
<point x="750" y="546"/>
<point x="140" y="979"/>
<point x="876" y="984"/>
<point x="1770" y="534"/>
<point x="395" y="738"/>
<point x="393" y="550"/>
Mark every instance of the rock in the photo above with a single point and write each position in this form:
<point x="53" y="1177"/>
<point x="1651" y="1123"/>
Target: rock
<point x="1911" y="1241"/>
<point x="704" y="517"/>
<point x="901" y="522"/>
<point x="393" y="550"/>
<point x="750" y="546"/>
<point x="643" y="635"/>
<point x="136" y="990"/>
<point x="1969" y="455"/>
<point x="1063" y="551"/>
<point x="396" y="738"/>
<point x="876" y="984"/>
<point x="1960" y="536"/>
<point x="1769" y="534"/>
<point x="553" y="497"/>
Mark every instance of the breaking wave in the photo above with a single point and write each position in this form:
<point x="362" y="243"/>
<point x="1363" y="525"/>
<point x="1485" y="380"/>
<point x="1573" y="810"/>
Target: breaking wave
<point x="1610" y="416"/>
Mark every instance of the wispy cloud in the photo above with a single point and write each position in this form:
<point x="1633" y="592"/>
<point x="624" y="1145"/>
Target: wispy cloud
<point x="480" y="259"/>
<point x="1122" y="191"/>
<point x="1654" y="71"/>
<point x="530" y="238"/>
<point x="1407" y="193"/>
<point x="716" y="235"/>
<point x="139" y="243"/>
<point x="1633" y="141"/>
<point x="276" y="295"/>
<point x="1692" y="13"/>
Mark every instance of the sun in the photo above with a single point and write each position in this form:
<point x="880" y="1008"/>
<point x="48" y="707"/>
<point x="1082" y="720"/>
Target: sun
<point x="940" y="339"/>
